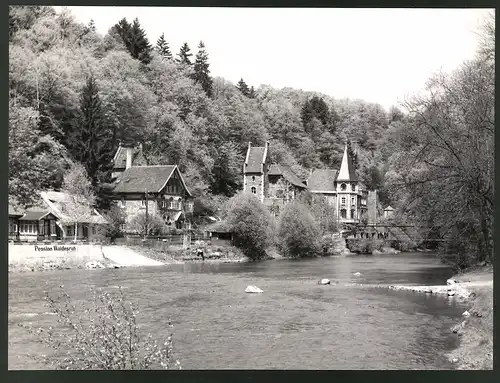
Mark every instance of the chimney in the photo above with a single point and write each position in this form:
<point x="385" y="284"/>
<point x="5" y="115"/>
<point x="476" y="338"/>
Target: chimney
<point x="129" y="158"/>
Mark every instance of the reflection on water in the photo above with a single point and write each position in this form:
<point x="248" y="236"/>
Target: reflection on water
<point x="295" y="323"/>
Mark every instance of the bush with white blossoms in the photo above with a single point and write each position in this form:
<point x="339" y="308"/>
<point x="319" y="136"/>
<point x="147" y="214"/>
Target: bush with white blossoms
<point x="105" y="337"/>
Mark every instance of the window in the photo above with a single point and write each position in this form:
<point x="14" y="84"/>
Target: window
<point x="343" y="213"/>
<point x="254" y="190"/>
<point x="343" y="187"/>
<point x="253" y="178"/>
<point x="280" y="193"/>
<point x="123" y="202"/>
<point x="143" y="203"/>
<point x="353" y="200"/>
<point x="93" y="230"/>
<point x="352" y="214"/>
<point x="353" y="187"/>
<point x="342" y="201"/>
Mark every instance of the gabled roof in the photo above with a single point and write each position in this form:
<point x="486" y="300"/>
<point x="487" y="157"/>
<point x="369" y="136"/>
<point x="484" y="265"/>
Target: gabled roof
<point x="322" y="180"/>
<point x="14" y="212"/>
<point x="287" y="173"/>
<point x="37" y="215"/>
<point x="389" y="208"/>
<point x="57" y="205"/>
<point x="346" y="172"/>
<point x="120" y="157"/>
<point x="139" y="179"/>
<point x="256" y="157"/>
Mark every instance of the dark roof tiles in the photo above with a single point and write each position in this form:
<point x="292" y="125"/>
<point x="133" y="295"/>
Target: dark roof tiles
<point x="255" y="159"/>
<point x="322" y="180"/>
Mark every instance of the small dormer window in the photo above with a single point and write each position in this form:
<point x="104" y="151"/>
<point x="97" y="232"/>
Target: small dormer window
<point x="343" y="187"/>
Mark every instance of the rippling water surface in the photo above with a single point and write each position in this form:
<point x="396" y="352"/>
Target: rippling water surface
<point x="294" y="324"/>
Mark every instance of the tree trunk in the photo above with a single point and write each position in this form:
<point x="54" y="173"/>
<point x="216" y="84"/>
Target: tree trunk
<point x="76" y="230"/>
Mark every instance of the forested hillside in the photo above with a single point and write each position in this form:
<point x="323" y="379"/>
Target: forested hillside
<point x="74" y="94"/>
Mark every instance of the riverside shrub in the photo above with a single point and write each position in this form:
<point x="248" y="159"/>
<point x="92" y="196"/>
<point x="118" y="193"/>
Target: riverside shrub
<point x="251" y="224"/>
<point x="102" y="336"/>
<point x="299" y="234"/>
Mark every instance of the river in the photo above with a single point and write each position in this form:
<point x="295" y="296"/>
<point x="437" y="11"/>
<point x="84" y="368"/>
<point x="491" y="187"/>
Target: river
<point x="294" y="324"/>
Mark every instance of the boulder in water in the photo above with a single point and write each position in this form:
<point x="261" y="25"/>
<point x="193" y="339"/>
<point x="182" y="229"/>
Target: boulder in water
<point x="324" y="281"/>
<point x="253" y="289"/>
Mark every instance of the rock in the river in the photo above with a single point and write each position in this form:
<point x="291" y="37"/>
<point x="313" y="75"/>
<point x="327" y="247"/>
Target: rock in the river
<point x="466" y="313"/>
<point x="357" y="274"/>
<point x="324" y="281"/>
<point x="253" y="289"/>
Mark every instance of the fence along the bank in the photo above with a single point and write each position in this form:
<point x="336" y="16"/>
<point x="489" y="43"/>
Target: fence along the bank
<point x="162" y="242"/>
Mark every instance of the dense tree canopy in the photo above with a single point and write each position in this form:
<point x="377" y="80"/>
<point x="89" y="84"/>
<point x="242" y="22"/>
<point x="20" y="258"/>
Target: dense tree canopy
<point x="430" y="158"/>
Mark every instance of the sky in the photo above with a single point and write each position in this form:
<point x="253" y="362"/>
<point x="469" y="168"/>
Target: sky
<point x="378" y="55"/>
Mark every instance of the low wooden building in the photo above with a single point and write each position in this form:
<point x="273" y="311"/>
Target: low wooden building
<point x="219" y="233"/>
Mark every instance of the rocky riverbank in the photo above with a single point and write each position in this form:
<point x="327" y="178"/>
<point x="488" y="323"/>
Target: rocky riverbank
<point x="473" y="287"/>
<point x="211" y="254"/>
<point x="475" y="351"/>
<point x="58" y="264"/>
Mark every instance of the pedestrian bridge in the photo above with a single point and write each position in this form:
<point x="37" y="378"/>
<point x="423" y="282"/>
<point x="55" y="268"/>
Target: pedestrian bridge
<point x="388" y="231"/>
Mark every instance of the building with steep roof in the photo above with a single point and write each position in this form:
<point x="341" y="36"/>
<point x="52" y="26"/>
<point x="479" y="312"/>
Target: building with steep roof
<point x="274" y="184"/>
<point x="127" y="156"/>
<point x="159" y="190"/>
<point x="341" y="189"/>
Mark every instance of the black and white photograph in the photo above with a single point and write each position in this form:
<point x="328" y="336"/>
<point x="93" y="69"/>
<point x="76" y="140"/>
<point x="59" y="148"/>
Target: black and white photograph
<point x="212" y="188"/>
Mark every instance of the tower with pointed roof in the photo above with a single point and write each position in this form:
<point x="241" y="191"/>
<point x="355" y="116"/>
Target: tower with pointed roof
<point x="347" y="190"/>
<point x="341" y="189"/>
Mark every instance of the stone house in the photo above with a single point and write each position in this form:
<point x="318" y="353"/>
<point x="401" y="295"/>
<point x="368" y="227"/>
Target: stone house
<point x="159" y="190"/>
<point x="274" y="184"/>
<point x="342" y="190"/>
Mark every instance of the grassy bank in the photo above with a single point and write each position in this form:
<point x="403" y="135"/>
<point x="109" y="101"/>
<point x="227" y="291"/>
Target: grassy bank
<point x="475" y="351"/>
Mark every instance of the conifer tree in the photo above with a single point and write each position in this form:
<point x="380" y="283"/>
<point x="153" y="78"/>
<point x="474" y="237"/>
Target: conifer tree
<point x="252" y="93"/>
<point x="140" y="47"/>
<point x="92" y="141"/>
<point x="135" y="39"/>
<point x="184" y="55"/>
<point x="123" y="28"/>
<point x="201" y="70"/>
<point x="243" y="87"/>
<point x="162" y="47"/>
